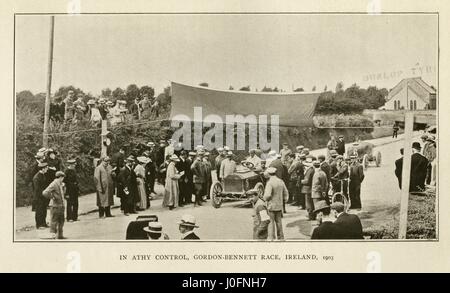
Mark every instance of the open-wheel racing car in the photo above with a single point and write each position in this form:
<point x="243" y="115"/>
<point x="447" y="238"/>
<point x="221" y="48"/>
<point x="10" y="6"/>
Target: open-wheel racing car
<point x="236" y="186"/>
<point x="365" y="152"/>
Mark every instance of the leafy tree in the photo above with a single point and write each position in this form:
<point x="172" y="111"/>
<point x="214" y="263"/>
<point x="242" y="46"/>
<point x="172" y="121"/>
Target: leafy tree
<point x="118" y="94"/>
<point x="276" y="89"/>
<point x="231" y="88"/>
<point x="147" y="90"/>
<point x="299" y="89"/>
<point x="106" y="93"/>
<point x="325" y="88"/>
<point x="267" y="89"/>
<point x="62" y="91"/>
<point x="245" y="88"/>
<point x="205" y="84"/>
<point x="132" y="93"/>
<point x="339" y="86"/>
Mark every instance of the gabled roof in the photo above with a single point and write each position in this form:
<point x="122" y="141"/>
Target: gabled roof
<point x="417" y="85"/>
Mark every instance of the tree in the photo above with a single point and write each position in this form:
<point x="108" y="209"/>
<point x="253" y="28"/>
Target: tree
<point x="299" y="89"/>
<point x="132" y="93"/>
<point x="62" y="91"/>
<point x="339" y="87"/>
<point x="106" y="93"/>
<point x="325" y="88"/>
<point x="147" y="90"/>
<point x="266" y="89"/>
<point x="245" y="88"/>
<point x="118" y="94"/>
<point x="276" y="89"/>
<point x="205" y="84"/>
<point x="231" y="88"/>
<point x="313" y="89"/>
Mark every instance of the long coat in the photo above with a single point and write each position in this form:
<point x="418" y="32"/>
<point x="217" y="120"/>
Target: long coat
<point x="419" y="166"/>
<point x="319" y="184"/>
<point x="105" y="185"/>
<point x="274" y="194"/>
<point x="350" y="226"/>
<point x="128" y="180"/>
<point x="398" y="171"/>
<point x="172" y="191"/>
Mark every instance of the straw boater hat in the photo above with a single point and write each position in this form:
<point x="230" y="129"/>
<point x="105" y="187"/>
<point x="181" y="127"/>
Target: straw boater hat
<point x="150" y="144"/>
<point x="188" y="220"/>
<point x="42" y="165"/>
<point x="109" y="103"/>
<point x="42" y="150"/>
<point x="299" y="148"/>
<point x="39" y="155"/>
<point x="192" y="153"/>
<point x="226" y="148"/>
<point x="130" y="158"/>
<point x="174" y="158"/>
<point x="321" y="205"/>
<point x="143" y="160"/>
<point x="229" y="153"/>
<point x="71" y="161"/>
<point x="91" y="102"/>
<point x="153" y="227"/>
<point x="101" y="101"/>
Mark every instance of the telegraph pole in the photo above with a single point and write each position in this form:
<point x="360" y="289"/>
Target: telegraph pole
<point x="49" y="82"/>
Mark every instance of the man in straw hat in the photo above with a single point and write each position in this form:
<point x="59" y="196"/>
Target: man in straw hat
<point x="72" y="191"/>
<point x="326" y="229"/>
<point x="275" y="194"/>
<point x="186" y="227"/>
<point x="56" y="192"/>
<point x="228" y="165"/>
<point x="154" y="231"/>
<point x="104" y="184"/>
<point x="129" y="191"/>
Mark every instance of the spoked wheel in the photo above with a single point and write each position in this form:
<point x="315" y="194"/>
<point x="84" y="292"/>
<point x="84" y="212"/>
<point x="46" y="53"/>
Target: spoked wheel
<point x="365" y="161"/>
<point x="215" y="194"/>
<point x="340" y="197"/>
<point x="260" y="188"/>
<point x="378" y="159"/>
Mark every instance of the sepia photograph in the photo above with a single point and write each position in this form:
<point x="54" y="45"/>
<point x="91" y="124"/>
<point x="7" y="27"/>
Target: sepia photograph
<point x="226" y="127"/>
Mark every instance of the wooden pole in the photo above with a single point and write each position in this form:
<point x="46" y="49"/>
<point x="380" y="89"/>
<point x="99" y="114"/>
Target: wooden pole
<point x="104" y="151"/>
<point x="406" y="173"/>
<point x="49" y="83"/>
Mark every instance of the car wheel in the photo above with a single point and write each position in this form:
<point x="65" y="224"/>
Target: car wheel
<point x="215" y="194"/>
<point x="260" y="188"/>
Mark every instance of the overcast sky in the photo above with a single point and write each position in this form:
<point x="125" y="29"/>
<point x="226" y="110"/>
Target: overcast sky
<point x="98" y="51"/>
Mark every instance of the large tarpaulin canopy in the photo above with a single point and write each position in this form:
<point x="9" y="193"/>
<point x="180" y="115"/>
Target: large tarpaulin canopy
<point x="293" y="109"/>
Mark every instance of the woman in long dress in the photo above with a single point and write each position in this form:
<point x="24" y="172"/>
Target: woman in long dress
<point x="140" y="175"/>
<point x="172" y="191"/>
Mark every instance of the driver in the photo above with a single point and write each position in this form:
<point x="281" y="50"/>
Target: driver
<point x="254" y="160"/>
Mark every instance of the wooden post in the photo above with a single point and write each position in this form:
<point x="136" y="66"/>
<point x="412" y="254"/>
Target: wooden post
<point x="49" y="84"/>
<point x="406" y="173"/>
<point x="104" y="151"/>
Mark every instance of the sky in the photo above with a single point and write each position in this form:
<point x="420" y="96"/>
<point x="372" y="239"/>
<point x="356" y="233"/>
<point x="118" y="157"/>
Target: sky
<point x="94" y="52"/>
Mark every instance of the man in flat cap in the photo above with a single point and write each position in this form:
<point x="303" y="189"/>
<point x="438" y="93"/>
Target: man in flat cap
<point x="72" y="191"/>
<point x="275" y="194"/>
<point x="349" y="225"/>
<point x="40" y="203"/>
<point x="261" y="217"/>
<point x="56" y="193"/>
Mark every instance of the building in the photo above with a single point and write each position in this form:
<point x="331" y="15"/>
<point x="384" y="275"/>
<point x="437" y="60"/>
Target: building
<point x="411" y="94"/>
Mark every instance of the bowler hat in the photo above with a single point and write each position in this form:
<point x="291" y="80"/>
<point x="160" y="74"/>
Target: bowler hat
<point x="321" y="205"/>
<point x="416" y="145"/>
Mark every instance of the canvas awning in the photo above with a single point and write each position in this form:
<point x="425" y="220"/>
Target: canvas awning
<point x="293" y="109"/>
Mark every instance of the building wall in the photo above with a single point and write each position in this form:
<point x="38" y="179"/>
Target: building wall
<point x="403" y="99"/>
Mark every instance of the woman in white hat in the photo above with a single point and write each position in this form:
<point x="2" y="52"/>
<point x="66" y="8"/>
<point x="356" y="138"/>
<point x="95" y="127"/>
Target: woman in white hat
<point x="140" y="174"/>
<point x="172" y="191"/>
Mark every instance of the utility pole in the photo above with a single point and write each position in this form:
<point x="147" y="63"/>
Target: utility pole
<point x="406" y="173"/>
<point x="49" y="83"/>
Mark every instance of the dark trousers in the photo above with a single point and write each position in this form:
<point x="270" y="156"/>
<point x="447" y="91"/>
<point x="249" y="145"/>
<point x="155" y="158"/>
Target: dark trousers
<point x="104" y="211"/>
<point x="394" y="134"/>
<point x="41" y="212"/>
<point x="293" y="191"/>
<point x="184" y="192"/>
<point x="198" y="190"/>
<point x="300" y="200"/>
<point x="429" y="168"/>
<point x="72" y="208"/>
<point x="355" y="195"/>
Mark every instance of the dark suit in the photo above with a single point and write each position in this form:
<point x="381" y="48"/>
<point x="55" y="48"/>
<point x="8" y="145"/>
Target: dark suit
<point x="127" y="179"/>
<point x="419" y="165"/>
<point x="191" y="236"/>
<point x="277" y="164"/>
<point x="327" y="230"/>
<point x="340" y="147"/>
<point x="398" y="171"/>
<point x="73" y="191"/>
<point x="350" y="226"/>
<point x="356" y="178"/>
<point x="40" y="183"/>
<point x="184" y="182"/>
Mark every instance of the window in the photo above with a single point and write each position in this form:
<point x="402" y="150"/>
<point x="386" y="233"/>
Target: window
<point x="415" y="105"/>
<point x="411" y="105"/>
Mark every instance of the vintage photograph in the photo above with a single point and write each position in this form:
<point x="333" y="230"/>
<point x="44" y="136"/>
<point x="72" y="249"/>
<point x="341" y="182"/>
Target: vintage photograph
<point x="226" y="127"/>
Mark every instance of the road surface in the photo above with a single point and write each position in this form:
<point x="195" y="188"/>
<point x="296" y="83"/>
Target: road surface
<point x="233" y="220"/>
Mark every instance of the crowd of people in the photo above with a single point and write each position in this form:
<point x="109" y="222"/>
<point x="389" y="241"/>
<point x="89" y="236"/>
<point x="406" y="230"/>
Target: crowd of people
<point x="294" y="177"/>
<point x="73" y="109"/>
